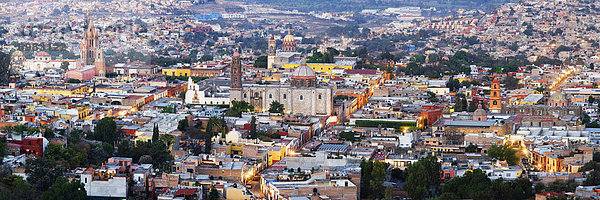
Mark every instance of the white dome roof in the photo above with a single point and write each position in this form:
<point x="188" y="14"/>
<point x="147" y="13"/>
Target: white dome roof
<point x="233" y="136"/>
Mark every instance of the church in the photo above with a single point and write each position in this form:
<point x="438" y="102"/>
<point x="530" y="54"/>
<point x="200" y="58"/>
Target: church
<point x="303" y="96"/>
<point x="91" y="53"/>
<point x="287" y="54"/>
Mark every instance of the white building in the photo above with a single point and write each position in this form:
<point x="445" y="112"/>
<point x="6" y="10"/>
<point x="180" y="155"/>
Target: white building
<point x="197" y="94"/>
<point x="43" y="60"/>
<point x="104" y="183"/>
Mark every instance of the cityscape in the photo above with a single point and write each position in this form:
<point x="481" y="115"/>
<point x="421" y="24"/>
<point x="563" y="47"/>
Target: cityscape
<point x="299" y="99"/>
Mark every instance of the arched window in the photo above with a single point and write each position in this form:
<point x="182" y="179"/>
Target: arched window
<point x="284" y="96"/>
<point x="270" y="96"/>
<point x="301" y="97"/>
<point x="319" y="96"/>
<point x="244" y="95"/>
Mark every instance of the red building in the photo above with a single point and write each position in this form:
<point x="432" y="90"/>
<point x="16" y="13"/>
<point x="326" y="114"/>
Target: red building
<point x="30" y="146"/>
<point x="431" y="114"/>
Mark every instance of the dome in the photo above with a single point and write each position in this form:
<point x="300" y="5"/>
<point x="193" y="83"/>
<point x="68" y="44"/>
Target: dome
<point x="480" y="112"/>
<point x="557" y="97"/>
<point x="303" y="71"/>
<point x="234" y="132"/>
<point x="289" y="37"/>
<point x="233" y="136"/>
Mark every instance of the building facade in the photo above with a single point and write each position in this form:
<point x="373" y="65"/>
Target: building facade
<point x="302" y="96"/>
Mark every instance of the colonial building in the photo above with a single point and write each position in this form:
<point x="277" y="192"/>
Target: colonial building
<point x="286" y="55"/>
<point x="202" y="94"/>
<point x="91" y="54"/>
<point x="304" y="95"/>
<point x="558" y="106"/>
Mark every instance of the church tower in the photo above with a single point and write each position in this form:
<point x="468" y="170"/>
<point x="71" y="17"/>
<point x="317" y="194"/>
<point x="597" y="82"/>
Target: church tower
<point x="495" y="97"/>
<point x="99" y="63"/>
<point x="89" y="45"/>
<point x="235" y="90"/>
<point x="271" y="52"/>
<point x="236" y="71"/>
<point x="289" y="43"/>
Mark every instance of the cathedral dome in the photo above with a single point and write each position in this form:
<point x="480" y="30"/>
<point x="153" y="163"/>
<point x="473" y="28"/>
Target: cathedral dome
<point x="289" y="38"/>
<point x="303" y="71"/>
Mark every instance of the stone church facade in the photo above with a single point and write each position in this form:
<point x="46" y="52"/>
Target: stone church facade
<point x="302" y="96"/>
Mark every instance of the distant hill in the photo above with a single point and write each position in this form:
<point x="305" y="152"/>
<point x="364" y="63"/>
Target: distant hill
<point x="358" y="5"/>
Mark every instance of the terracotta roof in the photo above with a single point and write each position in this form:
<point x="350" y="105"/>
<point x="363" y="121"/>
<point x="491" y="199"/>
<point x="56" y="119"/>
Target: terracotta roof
<point x="185" y="192"/>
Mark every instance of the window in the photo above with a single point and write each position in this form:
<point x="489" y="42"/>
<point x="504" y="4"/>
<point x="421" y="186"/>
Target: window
<point x="495" y="103"/>
<point x="301" y="97"/>
<point x="270" y="96"/>
<point x="319" y="96"/>
<point x="244" y="95"/>
<point x="284" y="96"/>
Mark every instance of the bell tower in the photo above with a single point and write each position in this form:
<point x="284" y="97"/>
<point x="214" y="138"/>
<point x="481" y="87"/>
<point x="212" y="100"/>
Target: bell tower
<point x="271" y="52"/>
<point x="495" y="97"/>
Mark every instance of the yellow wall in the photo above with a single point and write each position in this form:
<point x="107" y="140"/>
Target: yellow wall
<point x="235" y="147"/>
<point x="177" y="72"/>
<point x="319" y="67"/>
<point x="277" y="155"/>
<point x="59" y="91"/>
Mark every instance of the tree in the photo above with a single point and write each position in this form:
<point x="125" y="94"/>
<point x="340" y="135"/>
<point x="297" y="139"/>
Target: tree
<point x="106" y="130"/>
<point x="471" y="148"/>
<point x="3" y="153"/>
<point x="365" y="175"/>
<point x="388" y="193"/>
<point x="261" y="62"/>
<point x="64" y="65"/>
<point x="237" y="107"/>
<point x="424" y="177"/>
<point x="276" y="107"/>
<point x="469" y="186"/>
<point x="17" y="188"/>
<point x="503" y="153"/>
<point x="63" y="189"/>
<point x="214" y="194"/>
<point x="511" y="83"/>
<point x="472" y="106"/>
<point x="146" y="159"/>
<point x="4" y="68"/>
<point x="206" y="57"/>
<point x="377" y="179"/>
<point x="453" y="85"/>
<point x="155" y="133"/>
<point x="183" y="125"/>
<point x="42" y="172"/>
<point x="253" y="127"/>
